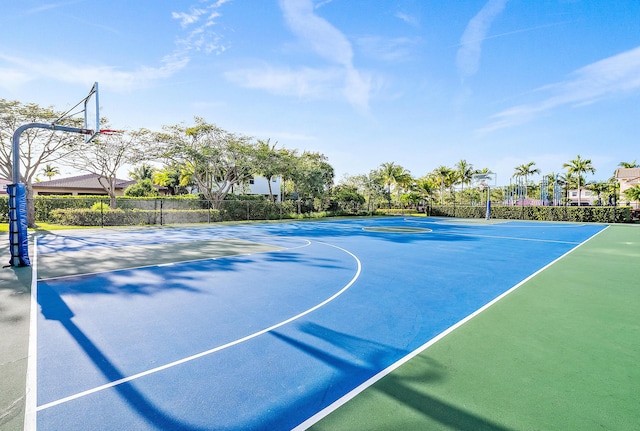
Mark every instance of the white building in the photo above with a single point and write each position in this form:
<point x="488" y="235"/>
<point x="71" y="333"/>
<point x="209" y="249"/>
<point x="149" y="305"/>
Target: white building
<point x="260" y="186"/>
<point x="586" y="196"/>
<point x="628" y="177"/>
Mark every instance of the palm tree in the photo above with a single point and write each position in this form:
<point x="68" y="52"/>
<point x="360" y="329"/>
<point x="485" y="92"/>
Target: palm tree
<point x="143" y="172"/>
<point x="628" y="165"/>
<point x="598" y="188"/>
<point x="465" y="172"/>
<point x="578" y="166"/>
<point x="444" y="176"/>
<point x="633" y="194"/>
<point x="269" y="162"/>
<point x="50" y="171"/>
<point x="404" y="181"/>
<point x="392" y="174"/>
<point x="424" y="187"/>
<point x="525" y="170"/>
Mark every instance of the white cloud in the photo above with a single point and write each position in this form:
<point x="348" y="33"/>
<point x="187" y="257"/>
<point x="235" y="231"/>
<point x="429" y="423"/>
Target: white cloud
<point x="303" y="82"/>
<point x="119" y="80"/>
<point x="468" y="57"/>
<point x="387" y="49"/>
<point x="330" y="44"/>
<point x="12" y="78"/>
<point x="613" y="76"/>
<point x="186" y="19"/>
<point x="409" y="19"/>
<point x="199" y="23"/>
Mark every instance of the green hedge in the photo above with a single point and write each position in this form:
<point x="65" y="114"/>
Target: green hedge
<point x="120" y="217"/>
<point x="603" y="214"/>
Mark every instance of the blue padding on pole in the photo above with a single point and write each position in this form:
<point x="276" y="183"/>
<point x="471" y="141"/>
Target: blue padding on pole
<point x="18" y="224"/>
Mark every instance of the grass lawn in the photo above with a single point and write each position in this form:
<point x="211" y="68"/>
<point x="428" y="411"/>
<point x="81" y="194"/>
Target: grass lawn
<point x="4" y="227"/>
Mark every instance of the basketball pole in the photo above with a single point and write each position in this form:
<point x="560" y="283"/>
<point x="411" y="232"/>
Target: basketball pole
<point x="488" y="214"/>
<point x="18" y="223"/>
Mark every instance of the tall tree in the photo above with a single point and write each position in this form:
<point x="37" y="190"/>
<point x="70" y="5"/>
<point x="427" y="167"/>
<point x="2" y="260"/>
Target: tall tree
<point x="578" y="166"/>
<point x="269" y="162"/>
<point x="107" y="154"/>
<point x="633" y="193"/>
<point x="311" y="174"/>
<point x="177" y="178"/>
<point x="465" y="172"/>
<point x="389" y="171"/>
<point x="598" y="188"/>
<point x="142" y="172"/>
<point x="37" y="146"/>
<point x="219" y="160"/>
<point x="445" y="177"/>
<point x="425" y="187"/>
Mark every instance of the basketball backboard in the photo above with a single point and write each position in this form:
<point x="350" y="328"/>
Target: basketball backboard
<point x="484" y="180"/>
<point x="92" y="113"/>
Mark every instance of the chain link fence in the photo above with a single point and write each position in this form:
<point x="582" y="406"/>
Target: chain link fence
<point x="95" y="211"/>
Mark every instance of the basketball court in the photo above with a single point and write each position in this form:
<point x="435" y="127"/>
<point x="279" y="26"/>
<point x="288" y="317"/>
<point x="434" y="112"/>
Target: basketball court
<point x="258" y="326"/>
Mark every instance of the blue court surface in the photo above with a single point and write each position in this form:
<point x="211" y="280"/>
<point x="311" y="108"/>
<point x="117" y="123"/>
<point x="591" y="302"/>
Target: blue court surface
<point x="266" y="338"/>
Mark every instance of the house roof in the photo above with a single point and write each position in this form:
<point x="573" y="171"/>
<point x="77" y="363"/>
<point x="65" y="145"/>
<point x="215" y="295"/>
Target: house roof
<point x="627" y="173"/>
<point x="88" y="181"/>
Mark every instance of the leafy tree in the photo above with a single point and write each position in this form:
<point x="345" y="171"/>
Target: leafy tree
<point x="218" y="160"/>
<point x="464" y="172"/>
<point x="270" y="162"/>
<point x="142" y="172"/>
<point x="633" y="193"/>
<point x="444" y="177"/>
<point x="599" y="188"/>
<point x="389" y="171"/>
<point x="38" y="146"/>
<point x="371" y="186"/>
<point x="347" y="197"/>
<point x="50" y="171"/>
<point x="578" y="166"/>
<point x="177" y="179"/>
<point x="143" y="188"/>
<point x="311" y="175"/>
<point x="404" y="182"/>
<point x="425" y="187"/>
<point x="105" y="155"/>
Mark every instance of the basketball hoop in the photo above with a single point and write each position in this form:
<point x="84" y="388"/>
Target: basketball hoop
<point x="482" y="186"/>
<point x="109" y="132"/>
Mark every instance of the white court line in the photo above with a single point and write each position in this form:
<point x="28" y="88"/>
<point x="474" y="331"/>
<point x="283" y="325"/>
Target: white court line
<point x="31" y="392"/>
<point x="535" y="224"/>
<point x="216" y="349"/>
<point x="356" y="391"/>
<point x="508" y="237"/>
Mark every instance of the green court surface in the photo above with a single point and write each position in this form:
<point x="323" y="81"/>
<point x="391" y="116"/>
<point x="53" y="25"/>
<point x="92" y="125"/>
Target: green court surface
<point x="561" y="352"/>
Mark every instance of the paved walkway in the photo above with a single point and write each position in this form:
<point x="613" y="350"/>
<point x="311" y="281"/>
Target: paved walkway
<point x="15" y="289"/>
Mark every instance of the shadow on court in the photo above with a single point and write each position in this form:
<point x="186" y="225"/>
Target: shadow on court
<point x="402" y="389"/>
<point x="54" y="308"/>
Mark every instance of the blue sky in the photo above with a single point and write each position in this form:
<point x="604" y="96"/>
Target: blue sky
<point x="420" y="83"/>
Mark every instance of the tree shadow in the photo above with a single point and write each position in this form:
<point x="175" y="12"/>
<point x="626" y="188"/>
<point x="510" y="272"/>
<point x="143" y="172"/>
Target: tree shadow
<point x="399" y="387"/>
